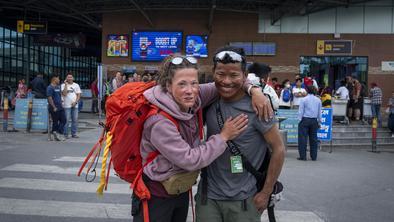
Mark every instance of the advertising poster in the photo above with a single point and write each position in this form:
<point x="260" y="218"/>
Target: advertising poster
<point x="325" y="131"/>
<point x="290" y="124"/>
<point x="196" y="46"/>
<point x="39" y="114"/>
<point x="155" y="46"/>
<point x="118" y="46"/>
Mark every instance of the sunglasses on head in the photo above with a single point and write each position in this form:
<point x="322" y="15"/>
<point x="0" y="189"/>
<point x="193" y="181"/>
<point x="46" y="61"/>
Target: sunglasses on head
<point x="178" y="60"/>
<point x="233" y="55"/>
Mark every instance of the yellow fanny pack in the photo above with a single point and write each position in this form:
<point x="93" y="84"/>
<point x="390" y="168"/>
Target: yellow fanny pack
<point x="181" y="182"/>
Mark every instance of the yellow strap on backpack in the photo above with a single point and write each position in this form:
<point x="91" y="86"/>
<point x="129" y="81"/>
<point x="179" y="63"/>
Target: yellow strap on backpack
<point x="101" y="186"/>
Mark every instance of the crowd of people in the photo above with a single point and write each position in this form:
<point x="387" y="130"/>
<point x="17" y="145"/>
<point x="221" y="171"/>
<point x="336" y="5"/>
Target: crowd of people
<point x="63" y="103"/>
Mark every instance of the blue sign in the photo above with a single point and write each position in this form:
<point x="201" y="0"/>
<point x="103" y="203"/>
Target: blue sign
<point x="197" y="45"/>
<point x="155" y="46"/>
<point x="325" y="131"/>
<point x="290" y="124"/>
<point x="39" y="115"/>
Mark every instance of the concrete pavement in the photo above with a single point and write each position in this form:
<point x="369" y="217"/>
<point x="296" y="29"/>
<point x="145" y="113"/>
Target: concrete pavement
<point x="37" y="183"/>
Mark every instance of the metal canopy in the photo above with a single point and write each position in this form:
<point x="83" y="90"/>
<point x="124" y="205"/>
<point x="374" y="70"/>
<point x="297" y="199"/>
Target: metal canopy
<point x="86" y="15"/>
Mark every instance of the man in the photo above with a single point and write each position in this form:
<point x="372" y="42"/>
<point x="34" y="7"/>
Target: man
<point x="309" y="114"/>
<point x="376" y="102"/>
<point x="117" y="82"/>
<point x="297" y="76"/>
<point x="71" y="94"/>
<point x="95" y="92"/>
<point x="357" y="99"/>
<point x="55" y="108"/>
<point x="39" y="87"/>
<point x="298" y="93"/>
<point x="342" y="92"/>
<point x="230" y="189"/>
<point x="262" y="71"/>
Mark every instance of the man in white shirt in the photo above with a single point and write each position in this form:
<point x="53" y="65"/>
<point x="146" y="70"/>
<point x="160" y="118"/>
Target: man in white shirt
<point x="298" y="93"/>
<point x="342" y="91"/>
<point x="71" y="93"/>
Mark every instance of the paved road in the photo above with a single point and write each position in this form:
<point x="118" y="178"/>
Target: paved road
<point x="38" y="182"/>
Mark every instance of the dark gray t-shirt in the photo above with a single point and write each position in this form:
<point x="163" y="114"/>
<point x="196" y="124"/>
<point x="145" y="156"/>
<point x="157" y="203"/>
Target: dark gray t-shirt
<point x="222" y="183"/>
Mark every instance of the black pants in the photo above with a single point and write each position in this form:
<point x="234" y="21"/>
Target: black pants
<point x="391" y="122"/>
<point x="307" y="128"/>
<point x="172" y="209"/>
<point x="58" y="120"/>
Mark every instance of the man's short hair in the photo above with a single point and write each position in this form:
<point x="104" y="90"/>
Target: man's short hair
<point x="311" y="89"/>
<point x="261" y="70"/>
<point x="54" y="76"/>
<point x="298" y="79"/>
<point x="275" y="79"/>
<point x="227" y="59"/>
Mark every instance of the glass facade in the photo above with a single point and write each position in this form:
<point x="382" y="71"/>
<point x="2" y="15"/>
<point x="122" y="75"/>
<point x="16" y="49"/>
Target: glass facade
<point x="330" y="70"/>
<point x="20" y="58"/>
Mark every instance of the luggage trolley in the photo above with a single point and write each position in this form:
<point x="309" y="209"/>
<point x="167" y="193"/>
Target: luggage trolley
<point x="339" y="109"/>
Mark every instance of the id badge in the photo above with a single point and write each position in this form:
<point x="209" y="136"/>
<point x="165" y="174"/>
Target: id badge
<point x="236" y="164"/>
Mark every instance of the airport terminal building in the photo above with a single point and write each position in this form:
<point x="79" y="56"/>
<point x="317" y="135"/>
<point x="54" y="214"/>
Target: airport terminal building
<point x="327" y="39"/>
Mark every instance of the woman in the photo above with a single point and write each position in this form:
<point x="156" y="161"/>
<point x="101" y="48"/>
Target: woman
<point x="286" y="96"/>
<point x="179" y="94"/>
<point x="21" y="92"/>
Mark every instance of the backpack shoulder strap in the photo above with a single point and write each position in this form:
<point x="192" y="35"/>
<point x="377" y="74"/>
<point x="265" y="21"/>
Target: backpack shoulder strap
<point x="156" y="110"/>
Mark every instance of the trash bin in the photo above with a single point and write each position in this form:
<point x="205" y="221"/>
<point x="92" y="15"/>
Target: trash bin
<point x="283" y="134"/>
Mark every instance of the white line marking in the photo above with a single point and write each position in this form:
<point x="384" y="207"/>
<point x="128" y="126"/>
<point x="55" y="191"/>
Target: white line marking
<point x="64" y="209"/>
<point x="38" y="168"/>
<point x="73" y="159"/>
<point x="57" y="185"/>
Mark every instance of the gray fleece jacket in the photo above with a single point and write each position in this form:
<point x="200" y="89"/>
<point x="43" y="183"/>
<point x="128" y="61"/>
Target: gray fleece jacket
<point x="181" y="150"/>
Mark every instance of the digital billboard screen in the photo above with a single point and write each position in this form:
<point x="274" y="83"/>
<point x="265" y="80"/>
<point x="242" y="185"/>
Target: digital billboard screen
<point x="196" y="46"/>
<point x="247" y="46"/>
<point x="118" y="45"/>
<point x="155" y="46"/>
<point x="264" y="48"/>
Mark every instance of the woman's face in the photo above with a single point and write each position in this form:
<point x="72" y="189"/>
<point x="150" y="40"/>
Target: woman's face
<point x="184" y="88"/>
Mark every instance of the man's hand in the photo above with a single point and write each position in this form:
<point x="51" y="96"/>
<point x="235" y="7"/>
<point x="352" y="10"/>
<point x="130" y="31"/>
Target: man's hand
<point x="54" y="109"/>
<point x="261" y="104"/>
<point x="261" y="201"/>
<point x="73" y="104"/>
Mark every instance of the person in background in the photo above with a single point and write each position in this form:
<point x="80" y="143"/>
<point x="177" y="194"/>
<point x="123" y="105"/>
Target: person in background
<point x="21" y="92"/>
<point x="71" y="95"/>
<point x="95" y="92"/>
<point x="130" y="78"/>
<point x="55" y="108"/>
<point x="342" y="92"/>
<point x="309" y="114"/>
<point x="276" y="85"/>
<point x="117" y="82"/>
<point x="297" y="76"/>
<point x="298" y="93"/>
<point x="375" y="94"/>
<point x="262" y="71"/>
<point x="350" y="88"/>
<point x="357" y="98"/>
<point x="285" y="97"/>
<point x="38" y="86"/>
<point x="390" y="107"/>
<point x="326" y="97"/>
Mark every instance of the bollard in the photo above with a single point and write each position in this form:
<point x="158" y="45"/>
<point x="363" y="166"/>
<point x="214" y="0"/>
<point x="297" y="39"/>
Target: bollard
<point x="374" y="134"/>
<point x="5" y="115"/>
<point x="29" y="115"/>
